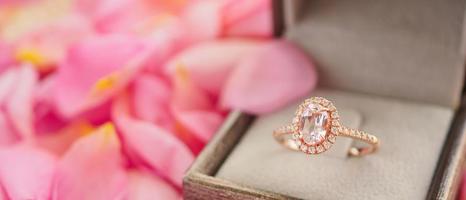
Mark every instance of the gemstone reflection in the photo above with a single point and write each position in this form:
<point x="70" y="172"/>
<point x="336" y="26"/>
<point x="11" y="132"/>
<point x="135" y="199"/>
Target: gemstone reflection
<point x="314" y="125"/>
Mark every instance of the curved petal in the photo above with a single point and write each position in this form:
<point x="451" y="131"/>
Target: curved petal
<point x="195" y="113"/>
<point x="126" y="16"/>
<point x="210" y="63"/>
<point x="20" y="103"/>
<point x="3" y="194"/>
<point x="269" y="79"/>
<point x="151" y="98"/>
<point x="95" y="69"/>
<point x="8" y="79"/>
<point x="46" y="46"/>
<point x="202" y="20"/>
<point x="144" y="186"/>
<point x="7" y="134"/>
<point x="109" y="15"/>
<point x="93" y="168"/>
<point x="153" y="146"/>
<point x="26" y="172"/>
<point x="206" y="20"/>
<point x="169" y="39"/>
<point x="7" y="83"/>
<point x="60" y="141"/>
<point x="248" y="18"/>
<point x="46" y="118"/>
<point x="187" y="95"/>
<point x="201" y="123"/>
<point x="6" y="55"/>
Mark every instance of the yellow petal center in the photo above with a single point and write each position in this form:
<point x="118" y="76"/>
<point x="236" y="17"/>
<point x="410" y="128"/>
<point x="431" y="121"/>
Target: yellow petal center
<point x="108" y="132"/>
<point x="84" y="128"/>
<point x="105" y="83"/>
<point x="30" y="55"/>
<point x="108" y="129"/>
<point x="181" y="73"/>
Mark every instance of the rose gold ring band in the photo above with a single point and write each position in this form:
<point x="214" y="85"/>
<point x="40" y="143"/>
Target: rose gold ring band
<point x="284" y="136"/>
<point x="315" y="127"/>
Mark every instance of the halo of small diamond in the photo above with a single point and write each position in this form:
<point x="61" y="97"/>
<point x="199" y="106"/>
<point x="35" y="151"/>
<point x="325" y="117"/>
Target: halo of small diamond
<point x="332" y="130"/>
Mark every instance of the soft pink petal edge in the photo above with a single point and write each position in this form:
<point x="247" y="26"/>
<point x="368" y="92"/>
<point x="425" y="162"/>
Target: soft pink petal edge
<point x="26" y="172"/>
<point x="269" y="79"/>
<point x="155" y="148"/>
<point x="93" y="168"/>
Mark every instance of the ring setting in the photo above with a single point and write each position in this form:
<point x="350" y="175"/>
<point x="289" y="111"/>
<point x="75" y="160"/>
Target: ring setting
<point x="315" y="127"/>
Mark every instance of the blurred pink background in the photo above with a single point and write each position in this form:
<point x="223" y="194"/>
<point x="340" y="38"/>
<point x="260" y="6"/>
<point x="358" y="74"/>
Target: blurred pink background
<point x="113" y="99"/>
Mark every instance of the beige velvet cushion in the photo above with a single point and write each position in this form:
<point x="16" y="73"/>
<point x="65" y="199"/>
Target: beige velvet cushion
<point x="411" y="137"/>
<point x="407" y="49"/>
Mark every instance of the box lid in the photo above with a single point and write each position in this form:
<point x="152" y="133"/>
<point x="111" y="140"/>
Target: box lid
<point x="407" y="49"/>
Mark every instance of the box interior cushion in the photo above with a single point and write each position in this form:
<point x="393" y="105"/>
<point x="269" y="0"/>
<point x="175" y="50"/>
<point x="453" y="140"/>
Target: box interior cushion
<point x="408" y="49"/>
<point x="411" y="134"/>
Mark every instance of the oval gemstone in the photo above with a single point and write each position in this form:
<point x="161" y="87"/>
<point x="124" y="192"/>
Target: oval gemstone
<point x="314" y="123"/>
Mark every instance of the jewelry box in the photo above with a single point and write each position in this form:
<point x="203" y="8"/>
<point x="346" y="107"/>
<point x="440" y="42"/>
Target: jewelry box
<point x="393" y="68"/>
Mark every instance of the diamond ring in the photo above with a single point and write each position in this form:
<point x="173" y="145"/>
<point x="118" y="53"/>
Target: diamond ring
<point x="315" y="127"/>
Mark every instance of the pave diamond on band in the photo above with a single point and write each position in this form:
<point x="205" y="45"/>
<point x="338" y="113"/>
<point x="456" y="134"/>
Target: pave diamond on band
<point x="315" y="127"/>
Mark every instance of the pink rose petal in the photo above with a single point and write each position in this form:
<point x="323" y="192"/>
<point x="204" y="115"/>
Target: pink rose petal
<point x="248" y="18"/>
<point x="269" y="79"/>
<point x="123" y="16"/>
<point x="111" y="16"/>
<point x="26" y="172"/>
<point x="44" y="88"/>
<point x="19" y="105"/>
<point x="46" y="118"/>
<point x="8" y="80"/>
<point x="93" y="168"/>
<point x="157" y="148"/>
<point x="203" y="124"/>
<point x="7" y="83"/>
<point x="196" y="127"/>
<point x="7" y="134"/>
<point x="96" y="69"/>
<point x="6" y="56"/>
<point x="187" y="95"/>
<point x="46" y="46"/>
<point x="169" y="39"/>
<point x="194" y="109"/>
<point x="151" y="97"/>
<point x="60" y="141"/>
<point x="3" y="194"/>
<point x="210" y="63"/>
<point x="203" y="20"/>
<point x="206" y="20"/>
<point x="147" y="186"/>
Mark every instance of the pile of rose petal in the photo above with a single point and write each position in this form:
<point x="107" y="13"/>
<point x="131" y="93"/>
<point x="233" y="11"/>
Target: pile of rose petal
<point x="113" y="99"/>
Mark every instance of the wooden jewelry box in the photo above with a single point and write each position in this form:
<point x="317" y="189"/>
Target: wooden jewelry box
<point x="394" y="69"/>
